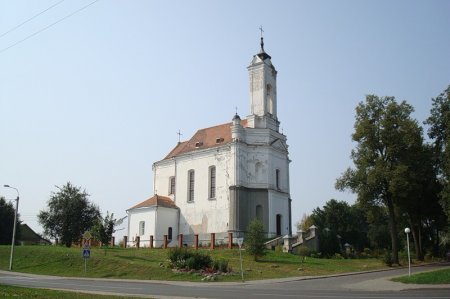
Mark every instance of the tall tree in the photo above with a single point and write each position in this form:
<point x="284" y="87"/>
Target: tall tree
<point x="7" y="222"/>
<point x="439" y="132"/>
<point x="385" y="134"/>
<point x="69" y="214"/>
<point x="104" y="228"/>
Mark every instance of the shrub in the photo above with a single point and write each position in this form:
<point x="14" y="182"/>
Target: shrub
<point x="255" y="239"/>
<point x="183" y="258"/>
<point x="200" y="261"/>
<point x="304" y="251"/>
<point x="338" y="256"/>
<point x="221" y="265"/>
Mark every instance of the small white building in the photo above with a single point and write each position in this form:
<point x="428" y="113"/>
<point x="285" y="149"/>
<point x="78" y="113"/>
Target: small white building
<point x="225" y="175"/>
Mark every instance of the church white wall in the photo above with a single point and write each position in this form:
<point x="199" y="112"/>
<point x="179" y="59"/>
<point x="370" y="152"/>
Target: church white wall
<point x="162" y="173"/>
<point x="157" y="221"/>
<point x="203" y="215"/>
<point x="278" y="204"/>
<point x="135" y="217"/>
<point x="166" y="218"/>
<point x="258" y="165"/>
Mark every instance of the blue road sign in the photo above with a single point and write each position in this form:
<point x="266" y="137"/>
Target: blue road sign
<point x="86" y="253"/>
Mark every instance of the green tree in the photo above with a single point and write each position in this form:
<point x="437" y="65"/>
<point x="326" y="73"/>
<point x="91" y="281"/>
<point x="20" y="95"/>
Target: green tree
<point x="69" y="214"/>
<point x="377" y="221"/>
<point x="254" y="239"/>
<point x="387" y="138"/>
<point x="339" y="223"/>
<point x="104" y="228"/>
<point x="439" y="132"/>
<point x="7" y="222"/>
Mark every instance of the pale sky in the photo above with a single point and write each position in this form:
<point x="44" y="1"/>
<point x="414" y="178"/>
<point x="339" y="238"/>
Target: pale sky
<point x="95" y="96"/>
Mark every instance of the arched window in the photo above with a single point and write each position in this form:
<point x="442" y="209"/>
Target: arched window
<point x="259" y="212"/>
<point x="277" y="178"/>
<point x="171" y="185"/>
<point x="141" y="228"/>
<point x="191" y="184"/>
<point x="212" y="182"/>
<point x="169" y="233"/>
<point x="278" y="224"/>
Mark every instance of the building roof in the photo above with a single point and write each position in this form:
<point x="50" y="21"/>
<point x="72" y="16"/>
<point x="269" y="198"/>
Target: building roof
<point x="156" y="200"/>
<point x="29" y="236"/>
<point x="204" y="139"/>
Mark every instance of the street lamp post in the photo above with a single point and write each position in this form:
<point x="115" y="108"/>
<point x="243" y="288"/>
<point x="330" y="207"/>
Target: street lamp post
<point x="14" y="227"/>
<point x="407" y="231"/>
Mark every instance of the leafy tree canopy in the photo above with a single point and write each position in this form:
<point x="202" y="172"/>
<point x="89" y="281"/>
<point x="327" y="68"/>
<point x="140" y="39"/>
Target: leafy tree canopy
<point x="69" y="214"/>
<point x="387" y="142"/>
<point x="104" y="228"/>
<point x="439" y="132"/>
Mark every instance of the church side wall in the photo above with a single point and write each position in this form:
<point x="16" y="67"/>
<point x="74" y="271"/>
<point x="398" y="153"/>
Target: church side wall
<point x="278" y="205"/>
<point x="162" y="174"/>
<point x="166" y="217"/>
<point x="203" y="215"/>
<point x="136" y="216"/>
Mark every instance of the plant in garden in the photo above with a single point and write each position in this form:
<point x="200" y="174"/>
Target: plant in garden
<point x="255" y="239"/>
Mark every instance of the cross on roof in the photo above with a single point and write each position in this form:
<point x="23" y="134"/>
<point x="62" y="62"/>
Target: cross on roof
<point x="179" y="136"/>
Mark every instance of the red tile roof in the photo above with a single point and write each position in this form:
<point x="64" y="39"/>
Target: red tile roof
<point x="205" y="138"/>
<point x="156" y="200"/>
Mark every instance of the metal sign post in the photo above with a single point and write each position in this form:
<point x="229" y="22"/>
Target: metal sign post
<point x="86" y="249"/>
<point x="240" y="241"/>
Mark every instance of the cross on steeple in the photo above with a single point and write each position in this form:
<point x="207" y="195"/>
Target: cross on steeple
<point x="179" y="136"/>
<point x="262" y="39"/>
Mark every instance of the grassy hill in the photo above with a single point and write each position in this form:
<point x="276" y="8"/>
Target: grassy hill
<point x="146" y="264"/>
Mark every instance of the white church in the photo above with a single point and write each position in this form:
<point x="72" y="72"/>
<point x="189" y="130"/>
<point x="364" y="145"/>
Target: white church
<point x="223" y="176"/>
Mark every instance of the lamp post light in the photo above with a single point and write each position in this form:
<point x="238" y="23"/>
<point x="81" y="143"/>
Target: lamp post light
<point x="14" y="227"/>
<point x="407" y="231"/>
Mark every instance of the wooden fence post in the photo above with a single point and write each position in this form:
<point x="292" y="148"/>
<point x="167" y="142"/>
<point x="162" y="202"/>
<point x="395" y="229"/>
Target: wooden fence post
<point x="125" y="241"/>
<point x="230" y="240"/>
<point x="213" y="240"/>
<point x="151" y="241"/>
<point x="180" y="240"/>
<point x="196" y="242"/>
<point x="165" y="242"/>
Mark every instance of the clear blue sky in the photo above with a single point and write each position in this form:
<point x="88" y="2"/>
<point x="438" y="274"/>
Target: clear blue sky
<point x="98" y="97"/>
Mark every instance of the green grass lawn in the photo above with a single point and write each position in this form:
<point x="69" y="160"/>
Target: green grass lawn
<point x="145" y="263"/>
<point x="19" y="292"/>
<point x="433" y="277"/>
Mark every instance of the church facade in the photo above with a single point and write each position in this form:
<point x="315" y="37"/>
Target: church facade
<point x="223" y="176"/>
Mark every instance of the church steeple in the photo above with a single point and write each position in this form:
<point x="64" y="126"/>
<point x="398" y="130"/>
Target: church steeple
<point x="263" y="91"/>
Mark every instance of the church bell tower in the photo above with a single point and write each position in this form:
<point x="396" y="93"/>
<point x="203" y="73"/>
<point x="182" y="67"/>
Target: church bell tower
<point x="263" y="91"/>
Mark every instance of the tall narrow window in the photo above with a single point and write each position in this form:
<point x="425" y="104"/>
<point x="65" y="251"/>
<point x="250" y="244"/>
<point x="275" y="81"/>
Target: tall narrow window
<point x="169" y="233"/>
<point x="141" y="228"/>
<point x="171" y="185"/>
<point x="259" y="213"/>
<point x="191" y="183"/>
<point x="277" y="178"/>
<point x="212" y="182"/>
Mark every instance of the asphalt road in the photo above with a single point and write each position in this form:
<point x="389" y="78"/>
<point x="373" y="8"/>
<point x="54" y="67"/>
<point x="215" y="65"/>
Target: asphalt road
<point x="363" y="285"/>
